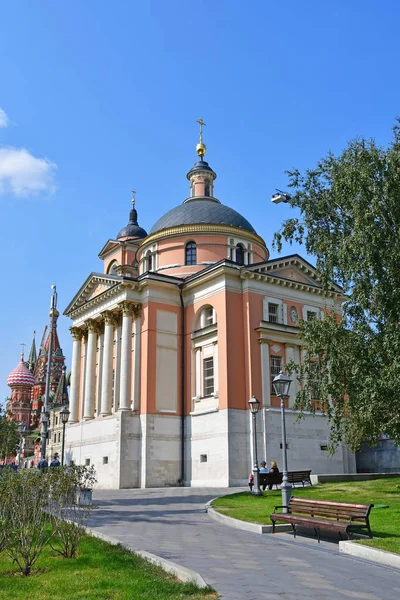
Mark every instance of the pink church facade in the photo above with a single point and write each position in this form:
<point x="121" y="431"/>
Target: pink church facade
<point x="184" y="325"/>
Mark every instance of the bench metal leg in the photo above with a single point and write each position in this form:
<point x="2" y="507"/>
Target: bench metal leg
<point x="273" y="526"/>
<point x="316" y="529"/>
<point x="294" y="529"/>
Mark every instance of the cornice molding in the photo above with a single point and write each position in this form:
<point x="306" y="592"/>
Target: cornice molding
<point x="203" y="229"/>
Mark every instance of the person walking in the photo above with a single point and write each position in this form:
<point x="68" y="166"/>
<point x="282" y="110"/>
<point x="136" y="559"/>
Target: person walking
<point x="55" y="462"/>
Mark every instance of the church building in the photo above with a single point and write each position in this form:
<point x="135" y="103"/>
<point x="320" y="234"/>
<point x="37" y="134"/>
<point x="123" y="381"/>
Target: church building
<point x="183" y="326"/>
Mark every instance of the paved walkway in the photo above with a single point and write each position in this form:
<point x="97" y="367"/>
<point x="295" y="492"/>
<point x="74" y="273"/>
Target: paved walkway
<point x="172" y="523"/>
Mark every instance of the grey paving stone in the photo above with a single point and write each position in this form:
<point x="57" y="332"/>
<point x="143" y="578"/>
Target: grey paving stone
<point x="172" y="523"/>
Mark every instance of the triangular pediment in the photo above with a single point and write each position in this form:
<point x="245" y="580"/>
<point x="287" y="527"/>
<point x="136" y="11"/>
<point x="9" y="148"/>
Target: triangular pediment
<point x="293" y="268"/>
<point x="108" y="247"/>
<point x="95" y="285"/>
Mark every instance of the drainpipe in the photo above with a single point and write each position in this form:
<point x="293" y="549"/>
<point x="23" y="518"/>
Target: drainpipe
<point x="182" y="475"/>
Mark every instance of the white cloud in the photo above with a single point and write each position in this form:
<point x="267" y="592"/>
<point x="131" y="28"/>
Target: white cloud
<point x="4" y="120"/>
<point x="23" y="174"/>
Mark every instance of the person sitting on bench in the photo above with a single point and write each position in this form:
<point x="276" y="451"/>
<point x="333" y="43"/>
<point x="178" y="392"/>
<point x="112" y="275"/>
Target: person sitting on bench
<point x="273" y="469"/>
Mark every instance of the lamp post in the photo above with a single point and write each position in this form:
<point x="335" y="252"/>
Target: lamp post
<point x="21" y="429"/>
<point x="281" y="384"/>
<point x="64" y="414"/>
<point x="254" y="406"/>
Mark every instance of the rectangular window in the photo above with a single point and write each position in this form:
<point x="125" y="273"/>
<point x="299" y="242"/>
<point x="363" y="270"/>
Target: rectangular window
<point x="273" y="315"/>
<point x="105" y="460"/>
<point x="59" y="437"/>
<point x="275" y="364"/>
<point x="311" y="315"/>
<point x="208" y="376"/>
<point x="87" y="462"/>
<point x="203" y="457"/>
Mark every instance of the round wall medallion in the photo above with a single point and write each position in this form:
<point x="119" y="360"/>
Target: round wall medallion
<point x="294" y="315"/>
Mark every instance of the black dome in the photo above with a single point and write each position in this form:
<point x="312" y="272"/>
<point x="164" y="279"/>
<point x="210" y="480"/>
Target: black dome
<point x="132" y="229"/>
<point x="194" y="212"/>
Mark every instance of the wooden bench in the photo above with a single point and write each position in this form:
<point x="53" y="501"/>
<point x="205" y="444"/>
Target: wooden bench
<point x="300" y="477"/>
<point x="325" y="514"/>
<point x="267" y="479"/>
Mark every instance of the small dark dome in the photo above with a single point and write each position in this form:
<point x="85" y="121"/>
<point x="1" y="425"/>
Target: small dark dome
<point x="132" y="229"/>
<point x="196" y="212"/>
<point x="201" y="165"/>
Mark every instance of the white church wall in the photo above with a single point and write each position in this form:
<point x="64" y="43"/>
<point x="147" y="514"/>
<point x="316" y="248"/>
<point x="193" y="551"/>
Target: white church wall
<point x="160" y="447"/>
<point x="307" y="441"/>
<point x="240" y="449"/>
<point x="96" y="443"/>
<point x="208" y="445"/>
<point x="129" y="450"/>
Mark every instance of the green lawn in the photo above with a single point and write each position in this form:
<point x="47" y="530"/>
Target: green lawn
<point x="385" y="522"/>
<point x="101" y="572"/>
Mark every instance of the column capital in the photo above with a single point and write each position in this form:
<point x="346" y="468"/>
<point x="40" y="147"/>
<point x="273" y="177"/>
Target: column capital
<point x="130" y="309"/>
<point x="76" y="333"/>
<point x="110" y="318"/>
<point x="290" y="345"/>
<point x="264" y="341"/>
<point x="93" y="326"/>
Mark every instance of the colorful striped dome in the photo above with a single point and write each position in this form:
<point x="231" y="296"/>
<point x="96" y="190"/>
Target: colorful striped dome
<point x="21" y="375"/>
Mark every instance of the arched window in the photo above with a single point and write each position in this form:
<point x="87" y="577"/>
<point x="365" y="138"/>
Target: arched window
<point x="112" y="268"/>
<point x="190" y="253"/>
<point x="240" y="254"/>
<point x="206" y="189"/>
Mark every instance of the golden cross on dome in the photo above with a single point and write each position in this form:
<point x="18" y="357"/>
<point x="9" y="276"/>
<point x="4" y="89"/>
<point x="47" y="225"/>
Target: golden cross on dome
<point x="133" y="196"/>
<point x="201" y="123"/>
<point x="23" y="350"/>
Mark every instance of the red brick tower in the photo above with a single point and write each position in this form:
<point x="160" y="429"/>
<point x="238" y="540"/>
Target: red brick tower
<point x="57" y="363"/>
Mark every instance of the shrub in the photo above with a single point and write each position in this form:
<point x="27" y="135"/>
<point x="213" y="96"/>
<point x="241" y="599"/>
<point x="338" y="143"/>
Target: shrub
<point x="24" y="497"/>
<point x="67" y="517"/>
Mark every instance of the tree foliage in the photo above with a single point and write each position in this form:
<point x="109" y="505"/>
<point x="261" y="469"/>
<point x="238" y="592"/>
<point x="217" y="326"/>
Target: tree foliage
<point x="349" y="219"/>
<point x="9" y="435"/>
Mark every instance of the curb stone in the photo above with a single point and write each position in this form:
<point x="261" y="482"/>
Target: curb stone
<point x="182" y="573"/>
<point x="382" y="557"/>
<point x="244" y="525"/>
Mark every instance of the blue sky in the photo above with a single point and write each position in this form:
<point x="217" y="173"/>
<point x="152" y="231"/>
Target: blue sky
<point x="99" y="97"/>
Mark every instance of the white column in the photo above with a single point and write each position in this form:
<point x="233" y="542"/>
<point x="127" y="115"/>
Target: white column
<point x="266" y="390"/>
<point x="88" y="409"/>
<point x="117" y="367"/>
<point x="289" y="357"/>
<point x="126" y="356"/>
<point x="136" y="357"/>
<point x="75" y="373"/>
<point x="99" y="371"/>
<point x="106" y="387"/>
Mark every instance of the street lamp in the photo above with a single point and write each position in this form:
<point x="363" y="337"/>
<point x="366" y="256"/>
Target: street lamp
<point x="64" y="414"/>
<point x="281" y="384"/>
<point x="21" y="429"/>
<point x="254" y="406"/>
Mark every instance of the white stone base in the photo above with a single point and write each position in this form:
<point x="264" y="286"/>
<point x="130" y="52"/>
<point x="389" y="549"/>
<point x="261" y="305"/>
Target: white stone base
<point x="130" y="450"/>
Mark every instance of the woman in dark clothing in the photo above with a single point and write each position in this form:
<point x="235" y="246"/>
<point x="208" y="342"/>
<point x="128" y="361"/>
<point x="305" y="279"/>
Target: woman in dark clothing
<point x="273" y="469"/>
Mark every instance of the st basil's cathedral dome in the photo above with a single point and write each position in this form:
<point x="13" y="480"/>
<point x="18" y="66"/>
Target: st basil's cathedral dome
<point x="20" y="376"/>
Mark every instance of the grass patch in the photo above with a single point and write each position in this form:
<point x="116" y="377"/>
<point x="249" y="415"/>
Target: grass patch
<point x="385" y="522"/>
<point x="101" y="572"/>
